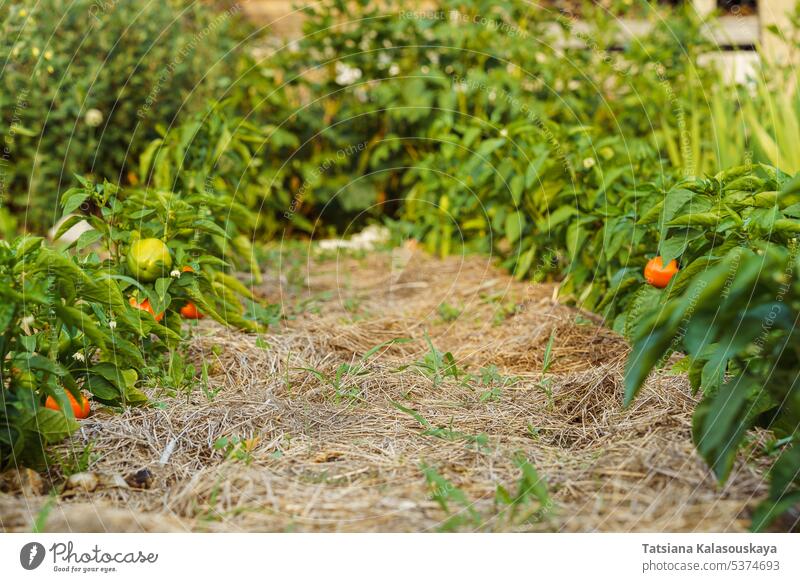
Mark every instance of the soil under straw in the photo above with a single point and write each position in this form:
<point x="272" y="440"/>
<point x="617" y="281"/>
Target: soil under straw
<point x="328" y="462"/>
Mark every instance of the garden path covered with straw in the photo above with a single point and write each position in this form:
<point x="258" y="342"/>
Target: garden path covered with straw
<point x="310" y="451"/>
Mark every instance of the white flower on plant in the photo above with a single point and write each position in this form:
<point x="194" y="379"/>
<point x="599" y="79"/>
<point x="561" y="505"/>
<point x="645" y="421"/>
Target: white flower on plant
<point x="78" y="356"/>
<point x="94" y="117"/>
<point x="504" y="132"/>
<point x="588" y="163"/>
<point x="112" y="324"/>
<point x="394" y="70"/>
<point x="347" y="75"/>
<point x="174" y="273"/>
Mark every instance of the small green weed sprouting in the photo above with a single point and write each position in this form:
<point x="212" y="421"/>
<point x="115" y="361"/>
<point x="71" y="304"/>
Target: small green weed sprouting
<point x="73" y="461"/>
<point x="209" y="393"/>
<point x="207" y="512"/>
<point x="546" y="383"/>
<point x="340" y="380"/>
<point x="503" y="312"/>
<point x="312" y="304"/>
<point x="503" y="309"/>
<point x="375" y="349"/>
<point x="237" y="448"/>
<point x="447" y="495"/>
<point x="494" y="381"/>
<point x="352" y="304"/>
<point x="530" y="503"/>
<point x="548" y="353"/>
<point x="448" y="312"/>
<point x="270" y="315"/>
<point x="180" y="373"/>
<point x="437" y="365"/>
<point x="172" y="375"/>
<point x="445" y="433"/>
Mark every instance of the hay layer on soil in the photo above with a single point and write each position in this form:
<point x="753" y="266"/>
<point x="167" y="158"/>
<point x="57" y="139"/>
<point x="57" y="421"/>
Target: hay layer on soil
<point x="323" y="455"/>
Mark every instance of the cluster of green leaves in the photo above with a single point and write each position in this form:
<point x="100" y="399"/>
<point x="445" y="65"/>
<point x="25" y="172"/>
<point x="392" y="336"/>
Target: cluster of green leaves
<point x="529" y="504"/>
<point x="237" y="448"/>
<point x="65" y="327"/>
<point x="202" y="230"/>
<point x="84" y="84"/>
<point x="733" y="310"/>
<point x="72" y="319"/>
<point x="457" y="112"/>
<point x="221" y="152"/>
<point x="364" y="101"/>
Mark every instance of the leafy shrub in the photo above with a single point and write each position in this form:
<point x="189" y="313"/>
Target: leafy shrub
<point x="219" y="154"/>
<point x="199" y="229"/>
<point x="734" y="311"/>
<point x="64" y="326"/>
<point x="85" y="83"/>
<point x="75" y="320"/>
<point x="370" y="92"/>
<point x="366" y="101"/>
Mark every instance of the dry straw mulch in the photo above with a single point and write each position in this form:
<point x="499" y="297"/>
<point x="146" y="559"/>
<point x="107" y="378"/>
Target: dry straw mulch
<point x="322" y="461"/>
